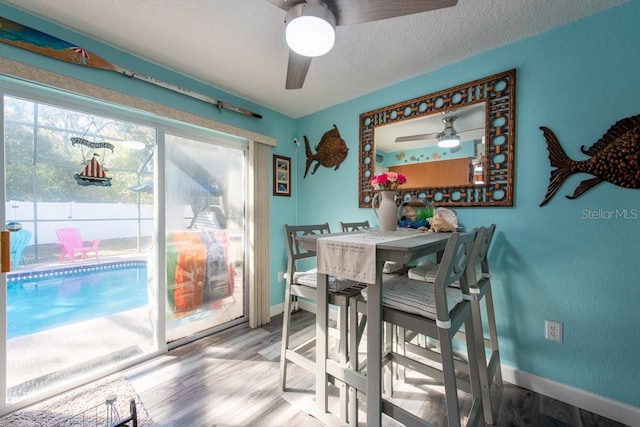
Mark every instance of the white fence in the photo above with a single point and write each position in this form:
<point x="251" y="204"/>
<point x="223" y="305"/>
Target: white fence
<point x="96" y="221"/>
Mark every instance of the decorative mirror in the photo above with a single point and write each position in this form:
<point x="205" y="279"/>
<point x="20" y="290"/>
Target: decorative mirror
<point x="477" y="171"/>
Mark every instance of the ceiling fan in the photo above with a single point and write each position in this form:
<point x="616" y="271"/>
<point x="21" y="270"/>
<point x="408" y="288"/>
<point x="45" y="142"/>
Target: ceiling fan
<point x="447" y="138"/>
<point x="318" y="19"/>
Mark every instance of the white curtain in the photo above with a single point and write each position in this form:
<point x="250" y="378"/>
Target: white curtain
<point x="260" y="155"/>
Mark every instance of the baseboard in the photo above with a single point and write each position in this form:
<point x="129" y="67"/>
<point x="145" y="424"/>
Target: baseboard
<point x="612" y="409"/>
<point x="274" y="310"/>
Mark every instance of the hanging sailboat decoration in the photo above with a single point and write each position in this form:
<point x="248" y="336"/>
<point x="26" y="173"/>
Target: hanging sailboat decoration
<point x="93" y="172"/>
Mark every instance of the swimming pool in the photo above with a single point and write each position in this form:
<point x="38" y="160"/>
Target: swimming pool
<point x="41" y="300"/>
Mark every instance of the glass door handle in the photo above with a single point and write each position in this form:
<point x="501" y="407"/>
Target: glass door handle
<point x="5" y="252"/>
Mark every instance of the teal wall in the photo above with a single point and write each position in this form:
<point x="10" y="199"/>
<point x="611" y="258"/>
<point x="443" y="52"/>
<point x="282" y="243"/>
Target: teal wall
<point x="549" y="262"/>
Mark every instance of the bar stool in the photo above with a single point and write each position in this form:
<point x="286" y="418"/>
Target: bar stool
<point x="479" y="280"/>
<point x="304" y="284"/>
<point x="354" y="226"/>
<point x="437" y="310"/>
<point x="480" y="288"/>
<point x="357" y="324"/>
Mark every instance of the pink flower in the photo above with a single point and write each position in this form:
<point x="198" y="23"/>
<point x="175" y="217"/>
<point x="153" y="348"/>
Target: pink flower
<point x="388" y="181"/>
<point x="379" y="180"/>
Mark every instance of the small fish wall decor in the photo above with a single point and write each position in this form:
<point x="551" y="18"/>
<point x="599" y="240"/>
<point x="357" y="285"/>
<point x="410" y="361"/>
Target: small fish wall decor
<point x="330" y="151"/>
<point x="615" y="158"/>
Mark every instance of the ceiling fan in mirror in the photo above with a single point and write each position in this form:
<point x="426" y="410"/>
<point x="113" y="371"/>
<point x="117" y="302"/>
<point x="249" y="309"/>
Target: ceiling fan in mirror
<point x="310" y="25"/>
<point x="447" y="138"/>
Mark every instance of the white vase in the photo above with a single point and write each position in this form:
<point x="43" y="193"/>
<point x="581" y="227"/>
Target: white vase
<point x="386" y="210"/>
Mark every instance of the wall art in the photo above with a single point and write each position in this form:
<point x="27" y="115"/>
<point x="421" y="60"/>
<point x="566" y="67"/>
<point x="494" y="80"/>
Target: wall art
<point x="330" y="151"/>
<point x="615" y="158"/>
<point x="281" y="176"/>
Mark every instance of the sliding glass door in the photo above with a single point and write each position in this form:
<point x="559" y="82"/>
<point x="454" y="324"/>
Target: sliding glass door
<point x="77" y="297"/>
<point x="204" y="216"/>
<point x="126" y="238"/>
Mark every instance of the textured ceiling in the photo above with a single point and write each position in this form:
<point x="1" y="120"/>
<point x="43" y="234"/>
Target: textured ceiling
<point x="239" y="46"/>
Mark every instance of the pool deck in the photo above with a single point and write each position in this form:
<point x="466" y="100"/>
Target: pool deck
<point x="48" y="357"/>
<point x="45" y="358"/>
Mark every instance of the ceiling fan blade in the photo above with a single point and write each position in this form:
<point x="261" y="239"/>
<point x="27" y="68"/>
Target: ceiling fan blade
<point x="349" y="12"/>
<point x="420" y="137"/>
<point x="470" y="130"/>
<point x="427" y="136"/>
<point x="285" y="4"/>
<point x="297" y="70"/>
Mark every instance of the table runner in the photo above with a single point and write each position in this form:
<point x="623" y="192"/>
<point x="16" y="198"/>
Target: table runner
<point x="353" y="256"/>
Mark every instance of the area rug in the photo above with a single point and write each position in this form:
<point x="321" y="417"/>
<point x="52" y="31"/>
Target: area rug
<point x="84" y="406"/>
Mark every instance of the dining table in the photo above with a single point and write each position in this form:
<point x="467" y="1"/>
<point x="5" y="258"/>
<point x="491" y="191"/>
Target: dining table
<point x="361" y="256"/>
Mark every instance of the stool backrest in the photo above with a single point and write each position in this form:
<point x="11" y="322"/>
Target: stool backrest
<point x="354" y="226"/>
<point x="479" y="256"/>
<point x="453" y="265"/>
<point x="484" y="251"/>
<point x="294" y="250"/>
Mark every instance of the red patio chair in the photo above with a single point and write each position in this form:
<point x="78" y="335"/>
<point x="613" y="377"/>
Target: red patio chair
<point x="71" y="242"/>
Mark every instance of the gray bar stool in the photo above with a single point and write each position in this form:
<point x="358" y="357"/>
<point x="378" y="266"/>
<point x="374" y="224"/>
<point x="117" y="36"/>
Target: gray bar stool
<point x="436" y="310"/>
<point x="479" y="280"/>
<point x="304" y="284"/>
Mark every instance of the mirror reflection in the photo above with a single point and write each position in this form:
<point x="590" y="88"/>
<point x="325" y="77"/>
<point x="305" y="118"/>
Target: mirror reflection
<point x="441" y="149"/>
<point x="455" y="146"/>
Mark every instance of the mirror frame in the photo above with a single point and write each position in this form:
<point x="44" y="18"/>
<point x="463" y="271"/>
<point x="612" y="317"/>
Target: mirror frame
<point x="498" y="92"/>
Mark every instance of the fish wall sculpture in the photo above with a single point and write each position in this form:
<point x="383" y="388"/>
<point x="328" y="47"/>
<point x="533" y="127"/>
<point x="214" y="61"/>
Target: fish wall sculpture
<point x="330" y="151"/>
<point x="615" y="158"/>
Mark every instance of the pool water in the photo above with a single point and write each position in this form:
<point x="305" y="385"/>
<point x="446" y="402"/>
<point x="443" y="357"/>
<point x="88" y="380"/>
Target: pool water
<point x="38" y="303"/>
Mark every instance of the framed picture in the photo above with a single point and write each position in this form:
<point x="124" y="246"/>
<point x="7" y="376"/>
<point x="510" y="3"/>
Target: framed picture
<point x="281" y="176"/>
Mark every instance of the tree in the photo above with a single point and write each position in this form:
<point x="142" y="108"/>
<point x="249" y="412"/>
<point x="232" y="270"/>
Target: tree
<point x="41" y="160"/>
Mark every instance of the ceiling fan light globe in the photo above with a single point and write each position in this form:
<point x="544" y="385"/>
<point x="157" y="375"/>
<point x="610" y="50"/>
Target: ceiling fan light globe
<point x="310" y="29"/>
<point x="448" y="141"/>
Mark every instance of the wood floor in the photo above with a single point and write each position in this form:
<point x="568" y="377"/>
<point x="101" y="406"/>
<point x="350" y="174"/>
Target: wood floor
<point x="231" y="379"/>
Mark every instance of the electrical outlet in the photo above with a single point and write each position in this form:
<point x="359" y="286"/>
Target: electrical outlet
<point x="553" y="330"/>
<point x="280" y="276"/>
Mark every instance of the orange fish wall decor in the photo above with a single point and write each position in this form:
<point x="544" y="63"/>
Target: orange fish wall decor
<point x="330" y="151"/>
<point x="615" y="158"/>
